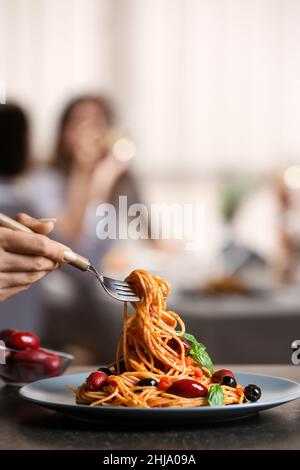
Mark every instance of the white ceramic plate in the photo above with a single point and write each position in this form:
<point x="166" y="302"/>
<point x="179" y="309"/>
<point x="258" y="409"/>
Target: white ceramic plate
<point x="54" y="394"/>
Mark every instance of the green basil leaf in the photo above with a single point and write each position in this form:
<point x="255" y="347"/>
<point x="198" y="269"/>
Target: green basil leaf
<point x="201" y="356"/>
<point x="215" y="396"/>
<point x="198" y="352"/>
<point x="190" y="338"/>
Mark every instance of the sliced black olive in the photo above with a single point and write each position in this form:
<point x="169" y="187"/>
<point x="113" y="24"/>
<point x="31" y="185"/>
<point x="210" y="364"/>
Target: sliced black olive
<point x="252" y="392"/>
<point x="228" y="381"/>
<point x="147" y="383"/>
<point x="106" y="370"/>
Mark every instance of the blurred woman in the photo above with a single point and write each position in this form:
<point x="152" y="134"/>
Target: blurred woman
<point x="83" y="174"/>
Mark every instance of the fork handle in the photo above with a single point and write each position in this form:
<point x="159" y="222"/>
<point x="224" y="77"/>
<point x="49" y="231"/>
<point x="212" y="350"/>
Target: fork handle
<point x="80" y="262"/>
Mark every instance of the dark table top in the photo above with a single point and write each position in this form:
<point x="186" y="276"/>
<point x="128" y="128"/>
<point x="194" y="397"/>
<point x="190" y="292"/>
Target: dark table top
<point x="27" y="426"/>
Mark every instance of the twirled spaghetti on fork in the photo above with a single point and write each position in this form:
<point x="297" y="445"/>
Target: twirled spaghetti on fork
<point x="157" y="363"/>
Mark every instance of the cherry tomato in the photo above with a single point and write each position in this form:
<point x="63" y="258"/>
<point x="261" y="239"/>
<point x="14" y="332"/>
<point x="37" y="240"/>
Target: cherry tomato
<point x="164" y="383"/>
<point x="220" y="374"/>
<point x="188" y="388"/>
<point x="188" y="361"/>
<point x="175" y="345"/>
<point x="24" y="340"/>
<point x="198" y="372"/>
<point x="95" y="381"/>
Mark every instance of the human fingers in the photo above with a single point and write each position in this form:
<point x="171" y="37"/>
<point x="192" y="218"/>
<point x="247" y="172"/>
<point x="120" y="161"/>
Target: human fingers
<point x="13" y="262"/>
<point x="42" y="226"/>
<point x="34" y="244"/>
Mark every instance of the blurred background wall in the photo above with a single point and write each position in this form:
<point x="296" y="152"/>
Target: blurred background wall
<point x="202" y="84"/>
<point x="207" y="89"/>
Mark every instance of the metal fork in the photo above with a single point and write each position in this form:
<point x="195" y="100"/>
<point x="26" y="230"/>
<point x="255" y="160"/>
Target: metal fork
<point x="119" y="290"/>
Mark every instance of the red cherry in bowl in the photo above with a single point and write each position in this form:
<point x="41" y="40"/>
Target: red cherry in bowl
<point x="41" y="361"/>
<point x="31" y="355"/>
<point x="24" y="340"/>
<point x="29" y="365"/>
<point x="52" y="365"/>
<point x="188" y="389"/>
<point x="95" y="381"/>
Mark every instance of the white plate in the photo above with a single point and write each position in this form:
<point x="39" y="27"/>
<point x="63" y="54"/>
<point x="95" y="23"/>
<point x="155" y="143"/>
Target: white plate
<point x="54" y="394"/>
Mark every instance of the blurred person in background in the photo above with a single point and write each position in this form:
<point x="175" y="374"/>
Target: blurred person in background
<point x="24" y="258"/>
<point x="83" y="173"/>
<point x="85" y="158"/>
<point x="15" y="150"/>
<point x="21" y="311"/>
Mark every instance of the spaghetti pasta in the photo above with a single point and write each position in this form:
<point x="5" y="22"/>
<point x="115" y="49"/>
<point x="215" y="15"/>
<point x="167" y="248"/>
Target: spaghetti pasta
<point x="155" y="366"/>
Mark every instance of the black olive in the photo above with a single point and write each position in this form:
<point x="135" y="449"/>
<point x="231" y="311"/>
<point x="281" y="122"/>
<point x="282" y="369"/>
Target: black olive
<point x="252" y="392"/>
<point x="228" y="381"/>
<point x="106" y="370"/>
<point x="147" y="383"/>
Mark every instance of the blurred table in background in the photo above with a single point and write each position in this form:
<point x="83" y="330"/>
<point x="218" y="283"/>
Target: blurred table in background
<point x="243" y="329"/>
<point x="235" y="329"/>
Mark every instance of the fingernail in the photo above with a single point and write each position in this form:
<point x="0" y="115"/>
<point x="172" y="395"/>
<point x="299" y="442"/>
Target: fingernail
<point x="46" y="220"/>
<point x="69" y="256"/>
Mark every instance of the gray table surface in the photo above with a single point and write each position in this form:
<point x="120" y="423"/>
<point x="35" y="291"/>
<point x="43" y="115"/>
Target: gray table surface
<point x="27" y="426"/>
